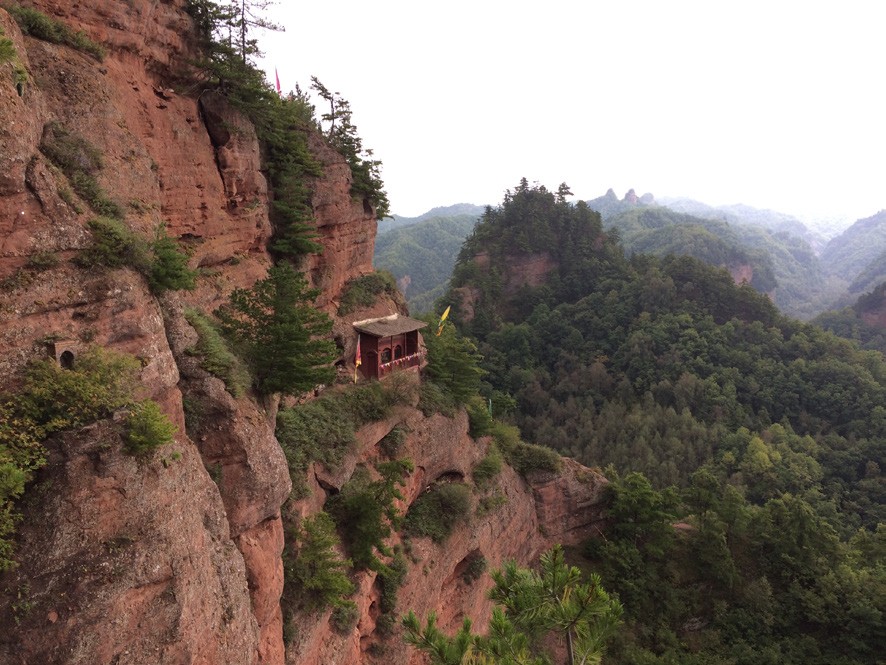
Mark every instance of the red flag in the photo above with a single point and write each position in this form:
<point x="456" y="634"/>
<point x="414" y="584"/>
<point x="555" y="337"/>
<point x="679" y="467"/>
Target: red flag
<point x="277" y="76"/>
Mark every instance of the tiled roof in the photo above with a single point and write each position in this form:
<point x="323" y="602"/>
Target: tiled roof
<point x="395" y="324"/>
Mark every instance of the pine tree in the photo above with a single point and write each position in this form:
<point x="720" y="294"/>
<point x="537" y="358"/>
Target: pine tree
<point x="278" y="332"/>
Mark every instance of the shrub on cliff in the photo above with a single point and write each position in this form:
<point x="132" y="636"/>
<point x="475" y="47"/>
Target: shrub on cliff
<point x="323" y="430"/>
<point x="147" y="428"/>
<point x="49" y="400"/>
<point x="81" y="162"/>
<point x="168" y="270"/>
<point x="365" y="290"/>
<point x="215" y="356"/>
<point x="316" y="577"/>
<point x="7" y="49"/>
<point x="524" y="457"/>
<point x="161" y="261"/>
<point x="437" y="511"/>
<point x="39" y="25"/>
<point x="365" y="513"/>
<point x="278" y="332"/>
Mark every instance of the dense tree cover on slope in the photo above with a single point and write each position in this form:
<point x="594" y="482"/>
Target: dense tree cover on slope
<point x="783" y="263"/>
<point x="850" y="322"/>
<point x="455" y="210"/>
<point x="659" y="231"/>
<point x="851" y="252"/>
<point x="424" y="253"/>
<point x="772" y="430"/>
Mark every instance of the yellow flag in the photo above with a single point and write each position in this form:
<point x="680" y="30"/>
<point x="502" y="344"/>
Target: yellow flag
<point x="442" y="319"/>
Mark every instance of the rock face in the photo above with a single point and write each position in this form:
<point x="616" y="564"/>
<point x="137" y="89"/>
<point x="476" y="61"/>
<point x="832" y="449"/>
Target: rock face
<point x="512" y="518"/>
<point x="176" y="558"/>
<point x="127" y="563"/>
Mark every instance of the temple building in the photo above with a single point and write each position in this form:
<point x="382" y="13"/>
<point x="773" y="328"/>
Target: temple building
<point x="387" y="344"/>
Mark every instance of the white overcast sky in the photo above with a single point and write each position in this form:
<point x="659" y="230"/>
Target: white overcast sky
<point x="776" y="104"/>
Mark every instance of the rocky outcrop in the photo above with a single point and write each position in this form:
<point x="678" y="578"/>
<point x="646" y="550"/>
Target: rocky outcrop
<point x="346" y="227"/>
<point x="129" y="562"/>
<point x="512" y="519"/>
<point x="742" y="273"/>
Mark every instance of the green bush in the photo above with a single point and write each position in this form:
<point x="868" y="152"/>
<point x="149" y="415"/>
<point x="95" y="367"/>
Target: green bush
<point x="524" y="457"/>
<point x="80" y="161"/>
<point x="477" y="565"/>
<point x="99" y="382"/>
<point x="39" y="25"/>
<point x="317" y="431"/>
<point x="215" y="355"/>
<point x="42" y="260"/>
<point x="434" y="399"/>
<point x="344" y="617"/>
<point x="161" y="261"/>
<point x="364" y="291"/>
<point x="437" y="511"/>
<point x="323" y="429"/>
<point x="528" y="457"/>
<point x="169" y="266"/>
<point x="488" y="467"/>
<point x="147" y="428"/>
<point x="49" y="400"/>
<point x="7" y="49"/>
<point x="390" y="579"/>
<point x="317" y="577"/>
<point x="392" y="442"/>
<point x="114" y="245"/>
<point x="365" y="513"/>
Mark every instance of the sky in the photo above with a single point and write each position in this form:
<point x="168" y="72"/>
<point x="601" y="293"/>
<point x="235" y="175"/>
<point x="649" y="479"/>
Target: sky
<point x="775" y="104"/>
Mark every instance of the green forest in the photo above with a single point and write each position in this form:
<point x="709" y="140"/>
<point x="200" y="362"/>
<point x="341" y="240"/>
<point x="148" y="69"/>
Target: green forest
<point x="744" y="448"/>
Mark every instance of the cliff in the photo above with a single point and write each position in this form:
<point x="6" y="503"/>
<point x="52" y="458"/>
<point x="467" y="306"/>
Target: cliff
<point x="176" y="558"/>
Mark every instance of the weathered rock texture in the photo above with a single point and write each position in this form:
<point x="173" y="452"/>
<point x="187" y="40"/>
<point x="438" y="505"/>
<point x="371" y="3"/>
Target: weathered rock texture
<point x="520" y="519"/>
<point x="176" y="559"/>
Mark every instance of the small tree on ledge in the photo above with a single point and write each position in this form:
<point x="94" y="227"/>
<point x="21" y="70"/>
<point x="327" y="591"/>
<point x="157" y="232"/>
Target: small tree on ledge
<point x="280" y="334"/>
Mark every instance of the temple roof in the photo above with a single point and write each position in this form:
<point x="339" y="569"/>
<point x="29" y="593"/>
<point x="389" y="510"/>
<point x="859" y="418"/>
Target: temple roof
<point x="395" y="324"/>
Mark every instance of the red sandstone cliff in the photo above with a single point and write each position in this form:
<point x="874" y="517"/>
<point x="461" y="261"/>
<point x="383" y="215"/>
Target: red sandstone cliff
<point x="126" y="561"/>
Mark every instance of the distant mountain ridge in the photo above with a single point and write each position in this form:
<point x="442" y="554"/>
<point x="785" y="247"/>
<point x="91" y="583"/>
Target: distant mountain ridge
<point x="454" y="210"/>
<point x="776" y="252"/>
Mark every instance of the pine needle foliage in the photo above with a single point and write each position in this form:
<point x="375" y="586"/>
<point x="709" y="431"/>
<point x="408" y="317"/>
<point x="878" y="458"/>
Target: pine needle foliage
<point x="316" y="576"/>
<point x="147" y="428"/>
<point x="365" y="513"/>
<point x="280" y="335"/>
<point x="281" y="123"/>
<point x="532" y="604"/>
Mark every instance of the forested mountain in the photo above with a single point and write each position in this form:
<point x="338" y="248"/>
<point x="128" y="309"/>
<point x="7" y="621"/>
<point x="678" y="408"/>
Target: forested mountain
<point x="455" y="210"/>
<point x="850" y="253"/>
<point x="745" y="215"/>
<point x="421" y="256"/>
<point x="659" y="231"/>
<point x="761" y="437"/>
<point x="864" y="321"/>
<point x="610" y="205"/>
